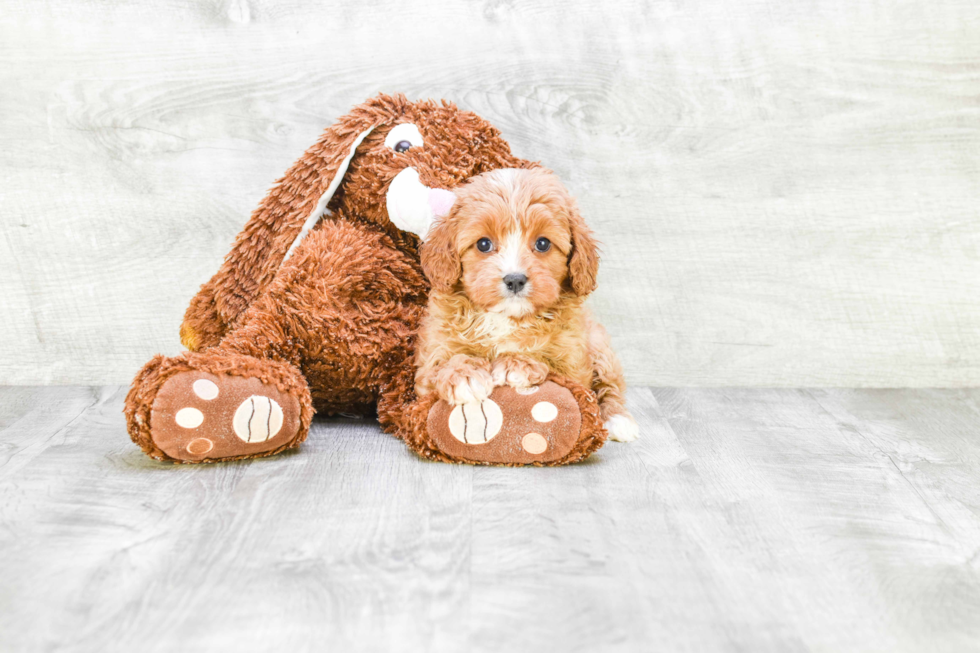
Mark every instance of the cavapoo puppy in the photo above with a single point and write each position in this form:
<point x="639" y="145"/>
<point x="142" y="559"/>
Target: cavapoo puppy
<point x="510" y="266"/>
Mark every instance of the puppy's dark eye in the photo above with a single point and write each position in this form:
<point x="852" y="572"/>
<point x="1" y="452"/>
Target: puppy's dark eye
<point x="542" y="244"/>
<point x="484" y="245"/>
<point x="402" y="146"/>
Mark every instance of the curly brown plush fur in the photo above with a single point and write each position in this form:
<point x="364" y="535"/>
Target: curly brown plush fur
<point x="334" y="322"/>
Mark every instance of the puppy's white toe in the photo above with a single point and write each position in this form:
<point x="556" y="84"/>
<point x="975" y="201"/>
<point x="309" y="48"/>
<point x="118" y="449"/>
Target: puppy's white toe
<point x="622" y="428"/>
<point x="480" y="388"/>
<point x="518" y="379"/>
<point x="461" y="394"/>
<point x="471" y="390"/>
<point x="499" y="375"/>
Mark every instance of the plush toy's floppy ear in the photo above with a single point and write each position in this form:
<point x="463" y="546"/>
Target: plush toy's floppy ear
<point x="293" y="206"/>
<point x="329" y="192"/>
<point x="583" y="262"/>
<point x="440" y="261"/>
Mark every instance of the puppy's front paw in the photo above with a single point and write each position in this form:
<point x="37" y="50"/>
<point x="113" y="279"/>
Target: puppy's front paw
<point x="471" y="389"/>
<point x="622" y="428"/>
<point x="518" y="372"/>
<point x="464" y="380"/>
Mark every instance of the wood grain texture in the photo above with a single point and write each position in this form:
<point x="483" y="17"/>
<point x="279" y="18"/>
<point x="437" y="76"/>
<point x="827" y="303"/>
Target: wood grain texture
<point x="787" y="191"/>
<point x="750" y="520"/>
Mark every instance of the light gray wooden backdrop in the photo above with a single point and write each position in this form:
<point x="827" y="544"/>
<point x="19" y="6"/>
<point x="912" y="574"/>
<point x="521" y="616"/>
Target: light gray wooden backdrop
<point x="787" y="190"/>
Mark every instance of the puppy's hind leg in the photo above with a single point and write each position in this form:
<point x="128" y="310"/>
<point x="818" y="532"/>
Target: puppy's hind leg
<point x="609" y="386"/>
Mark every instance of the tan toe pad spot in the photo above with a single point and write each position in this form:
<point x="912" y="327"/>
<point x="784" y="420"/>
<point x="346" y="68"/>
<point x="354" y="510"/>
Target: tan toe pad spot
<point x="534" y="443"/>
<point x="200" y="446"/>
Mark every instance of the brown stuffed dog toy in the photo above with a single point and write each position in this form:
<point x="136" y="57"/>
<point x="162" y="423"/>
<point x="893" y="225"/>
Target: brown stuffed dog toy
<point x="319" y="302"/>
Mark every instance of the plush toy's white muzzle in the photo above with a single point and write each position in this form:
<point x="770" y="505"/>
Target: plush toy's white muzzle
<point x="413" y="206"/>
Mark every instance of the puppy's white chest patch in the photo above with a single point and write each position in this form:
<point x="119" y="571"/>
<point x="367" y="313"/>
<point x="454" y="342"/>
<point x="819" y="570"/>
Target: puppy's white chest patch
<point x="500" y="334"/>
<point x="496" y="327"/>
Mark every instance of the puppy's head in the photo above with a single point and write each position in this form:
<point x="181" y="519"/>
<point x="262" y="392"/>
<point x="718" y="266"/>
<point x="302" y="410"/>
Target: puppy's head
<point x="515" y="241"/>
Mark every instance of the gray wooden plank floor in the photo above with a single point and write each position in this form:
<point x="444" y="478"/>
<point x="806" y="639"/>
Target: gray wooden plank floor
<point x="757" y="520"/>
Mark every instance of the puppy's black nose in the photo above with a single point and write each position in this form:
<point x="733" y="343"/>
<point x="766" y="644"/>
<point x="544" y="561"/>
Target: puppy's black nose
<point x="515" y="282"/>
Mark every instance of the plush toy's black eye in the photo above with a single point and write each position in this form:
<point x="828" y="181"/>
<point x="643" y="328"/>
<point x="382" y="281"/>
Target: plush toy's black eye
<point x="484" y="245"/>
<point x="402" y="146"/>
<point x="542" y="244"/>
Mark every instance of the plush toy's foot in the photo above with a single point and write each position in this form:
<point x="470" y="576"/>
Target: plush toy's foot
<point x="552" y="424"/>
<point x="199" y="416"/>
<point x="210" y="406"/>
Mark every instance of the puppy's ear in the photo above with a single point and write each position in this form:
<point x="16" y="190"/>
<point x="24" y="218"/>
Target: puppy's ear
<point x="583" y="262"/>
<point x="440" y="261"/>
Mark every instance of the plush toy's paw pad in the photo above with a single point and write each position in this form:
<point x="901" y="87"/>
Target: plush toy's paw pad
<point x="198" y="416"/>
<point x="514" y="426"/>
<point x="622" y="428"/>
<point x="476" y="422"/>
